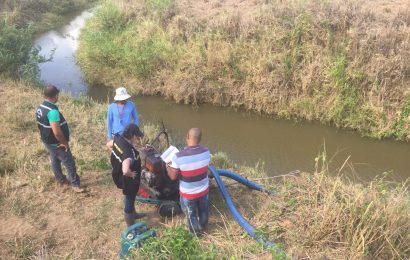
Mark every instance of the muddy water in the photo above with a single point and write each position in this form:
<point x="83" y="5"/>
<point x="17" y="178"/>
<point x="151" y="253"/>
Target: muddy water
<point x="62" y="43"/>
<point x="247" y="138"/>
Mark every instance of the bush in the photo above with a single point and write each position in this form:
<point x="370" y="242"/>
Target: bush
<point x="176" y="243"/>
<point x="15" y="48"/>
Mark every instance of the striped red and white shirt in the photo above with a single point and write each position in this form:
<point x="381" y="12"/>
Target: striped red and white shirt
<point x="193" y="164"/>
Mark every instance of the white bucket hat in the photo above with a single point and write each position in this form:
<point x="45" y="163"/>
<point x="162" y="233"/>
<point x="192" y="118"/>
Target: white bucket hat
<point x="121" y="94"/>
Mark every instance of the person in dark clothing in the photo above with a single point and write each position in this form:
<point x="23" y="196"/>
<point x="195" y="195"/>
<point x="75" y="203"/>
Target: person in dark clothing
<point x="126" y="169"/>
<point x="55" y="134"/>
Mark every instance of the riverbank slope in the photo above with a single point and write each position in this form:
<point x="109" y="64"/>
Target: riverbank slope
<point x="340" y="62"/>
<point x="312" y="216"/>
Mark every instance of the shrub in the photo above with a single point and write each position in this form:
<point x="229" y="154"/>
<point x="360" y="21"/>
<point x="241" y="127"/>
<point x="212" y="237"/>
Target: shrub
<point x="15" y="49"/>
<point x="176" y="243"/>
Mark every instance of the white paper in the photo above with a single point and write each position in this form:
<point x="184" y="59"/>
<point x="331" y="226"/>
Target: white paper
<point x="169" y="153"/>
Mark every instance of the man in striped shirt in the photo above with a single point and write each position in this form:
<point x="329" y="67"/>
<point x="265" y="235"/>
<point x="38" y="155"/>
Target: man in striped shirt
<point x="191" y="167"/>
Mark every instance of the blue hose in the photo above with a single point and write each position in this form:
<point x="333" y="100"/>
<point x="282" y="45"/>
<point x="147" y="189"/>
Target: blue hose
<point x="241" y="221"/>
<point x="244" y="181"/>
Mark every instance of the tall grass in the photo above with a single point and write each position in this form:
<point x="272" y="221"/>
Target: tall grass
<point x="139" y="49"/>
<point x="339" y="62"/>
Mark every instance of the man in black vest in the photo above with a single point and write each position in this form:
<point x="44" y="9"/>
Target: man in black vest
<point x="55" y="135"/>
<point x="126" y="169"/>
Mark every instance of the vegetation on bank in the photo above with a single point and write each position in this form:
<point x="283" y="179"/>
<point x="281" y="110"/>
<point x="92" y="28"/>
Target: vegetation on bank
<point x="20" y="21"/>
<point x="43" y="15"/>
<point x="338" y="62"/>
<point x="313" y="216"/>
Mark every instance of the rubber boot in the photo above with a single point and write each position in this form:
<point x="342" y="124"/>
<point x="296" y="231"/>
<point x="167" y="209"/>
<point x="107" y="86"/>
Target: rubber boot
<point x="129" y="219"/>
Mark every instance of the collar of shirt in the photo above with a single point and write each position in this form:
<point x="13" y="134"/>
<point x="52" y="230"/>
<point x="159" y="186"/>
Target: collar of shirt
<point x="51" y="102"/>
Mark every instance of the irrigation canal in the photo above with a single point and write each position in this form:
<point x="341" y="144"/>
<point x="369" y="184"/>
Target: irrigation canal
<point x="246" y="137"/>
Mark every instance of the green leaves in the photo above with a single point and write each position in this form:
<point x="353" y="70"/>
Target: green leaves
<point x="176" y="243"/>
<point x="15" y="48"/>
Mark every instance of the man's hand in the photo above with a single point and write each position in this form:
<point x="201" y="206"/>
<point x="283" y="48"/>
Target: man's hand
<point x="126" y="168"/>
<point x="58" y="133"/>
<point x="172" y="172"/>
<point x="110" y="144"/>
<point x="65" y="146"/>
<point x="131" y="174"/>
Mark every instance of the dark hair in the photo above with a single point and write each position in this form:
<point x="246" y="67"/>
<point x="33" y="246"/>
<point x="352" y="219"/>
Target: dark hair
<point x="132" y="130"/>
<point x="51" y="91"/>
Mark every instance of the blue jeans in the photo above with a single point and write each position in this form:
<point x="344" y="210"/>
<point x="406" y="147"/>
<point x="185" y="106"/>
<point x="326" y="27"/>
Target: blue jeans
<point x="129" y="203"/>
<point x="59" y="155"/>
<point x="197" y="212"/>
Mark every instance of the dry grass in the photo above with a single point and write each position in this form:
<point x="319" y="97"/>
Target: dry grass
<point x="39" y="218"/>
<point x="326" y="217"/>
<point x="340" y="62"/>
<point x="313" y="216"/>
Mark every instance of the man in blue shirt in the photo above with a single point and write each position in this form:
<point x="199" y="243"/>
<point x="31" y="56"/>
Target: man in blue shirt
<point x="121" y="113"/>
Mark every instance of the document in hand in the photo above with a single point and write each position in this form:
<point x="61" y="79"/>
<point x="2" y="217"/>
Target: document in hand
<point x="169" y="153"/>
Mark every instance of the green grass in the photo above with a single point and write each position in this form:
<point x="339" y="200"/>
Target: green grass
<point x="345" y="108"/>
<point x="175" y="243"/>
<point x="139" y="49"/>
<point x="401" y="127"/>
<point x="94" y="164"/>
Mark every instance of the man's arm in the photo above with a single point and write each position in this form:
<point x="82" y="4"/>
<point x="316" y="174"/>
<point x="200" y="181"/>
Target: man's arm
<point x="54" y="119"/>
<point x="172" y="172"/>
<point x="126" y="168"/>
<point x="58" y="133"/>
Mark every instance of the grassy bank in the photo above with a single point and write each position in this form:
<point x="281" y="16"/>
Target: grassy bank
<point x="339" y="62"/>
<point x="43" y="15"/>
<point x="313" y="216"/>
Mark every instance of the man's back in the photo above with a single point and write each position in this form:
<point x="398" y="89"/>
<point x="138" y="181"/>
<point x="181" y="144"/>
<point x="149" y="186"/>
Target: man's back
<point x="193" y="164"/>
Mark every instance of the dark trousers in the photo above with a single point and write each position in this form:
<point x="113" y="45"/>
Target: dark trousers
<point x="129" y="206"/>
<point x="59" y="155"/>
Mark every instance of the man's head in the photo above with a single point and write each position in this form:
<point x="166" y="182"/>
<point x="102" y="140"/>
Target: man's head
<point x="51" y="93"/>
<point x="193" y="137"/>
<point x="132" y="133"/>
